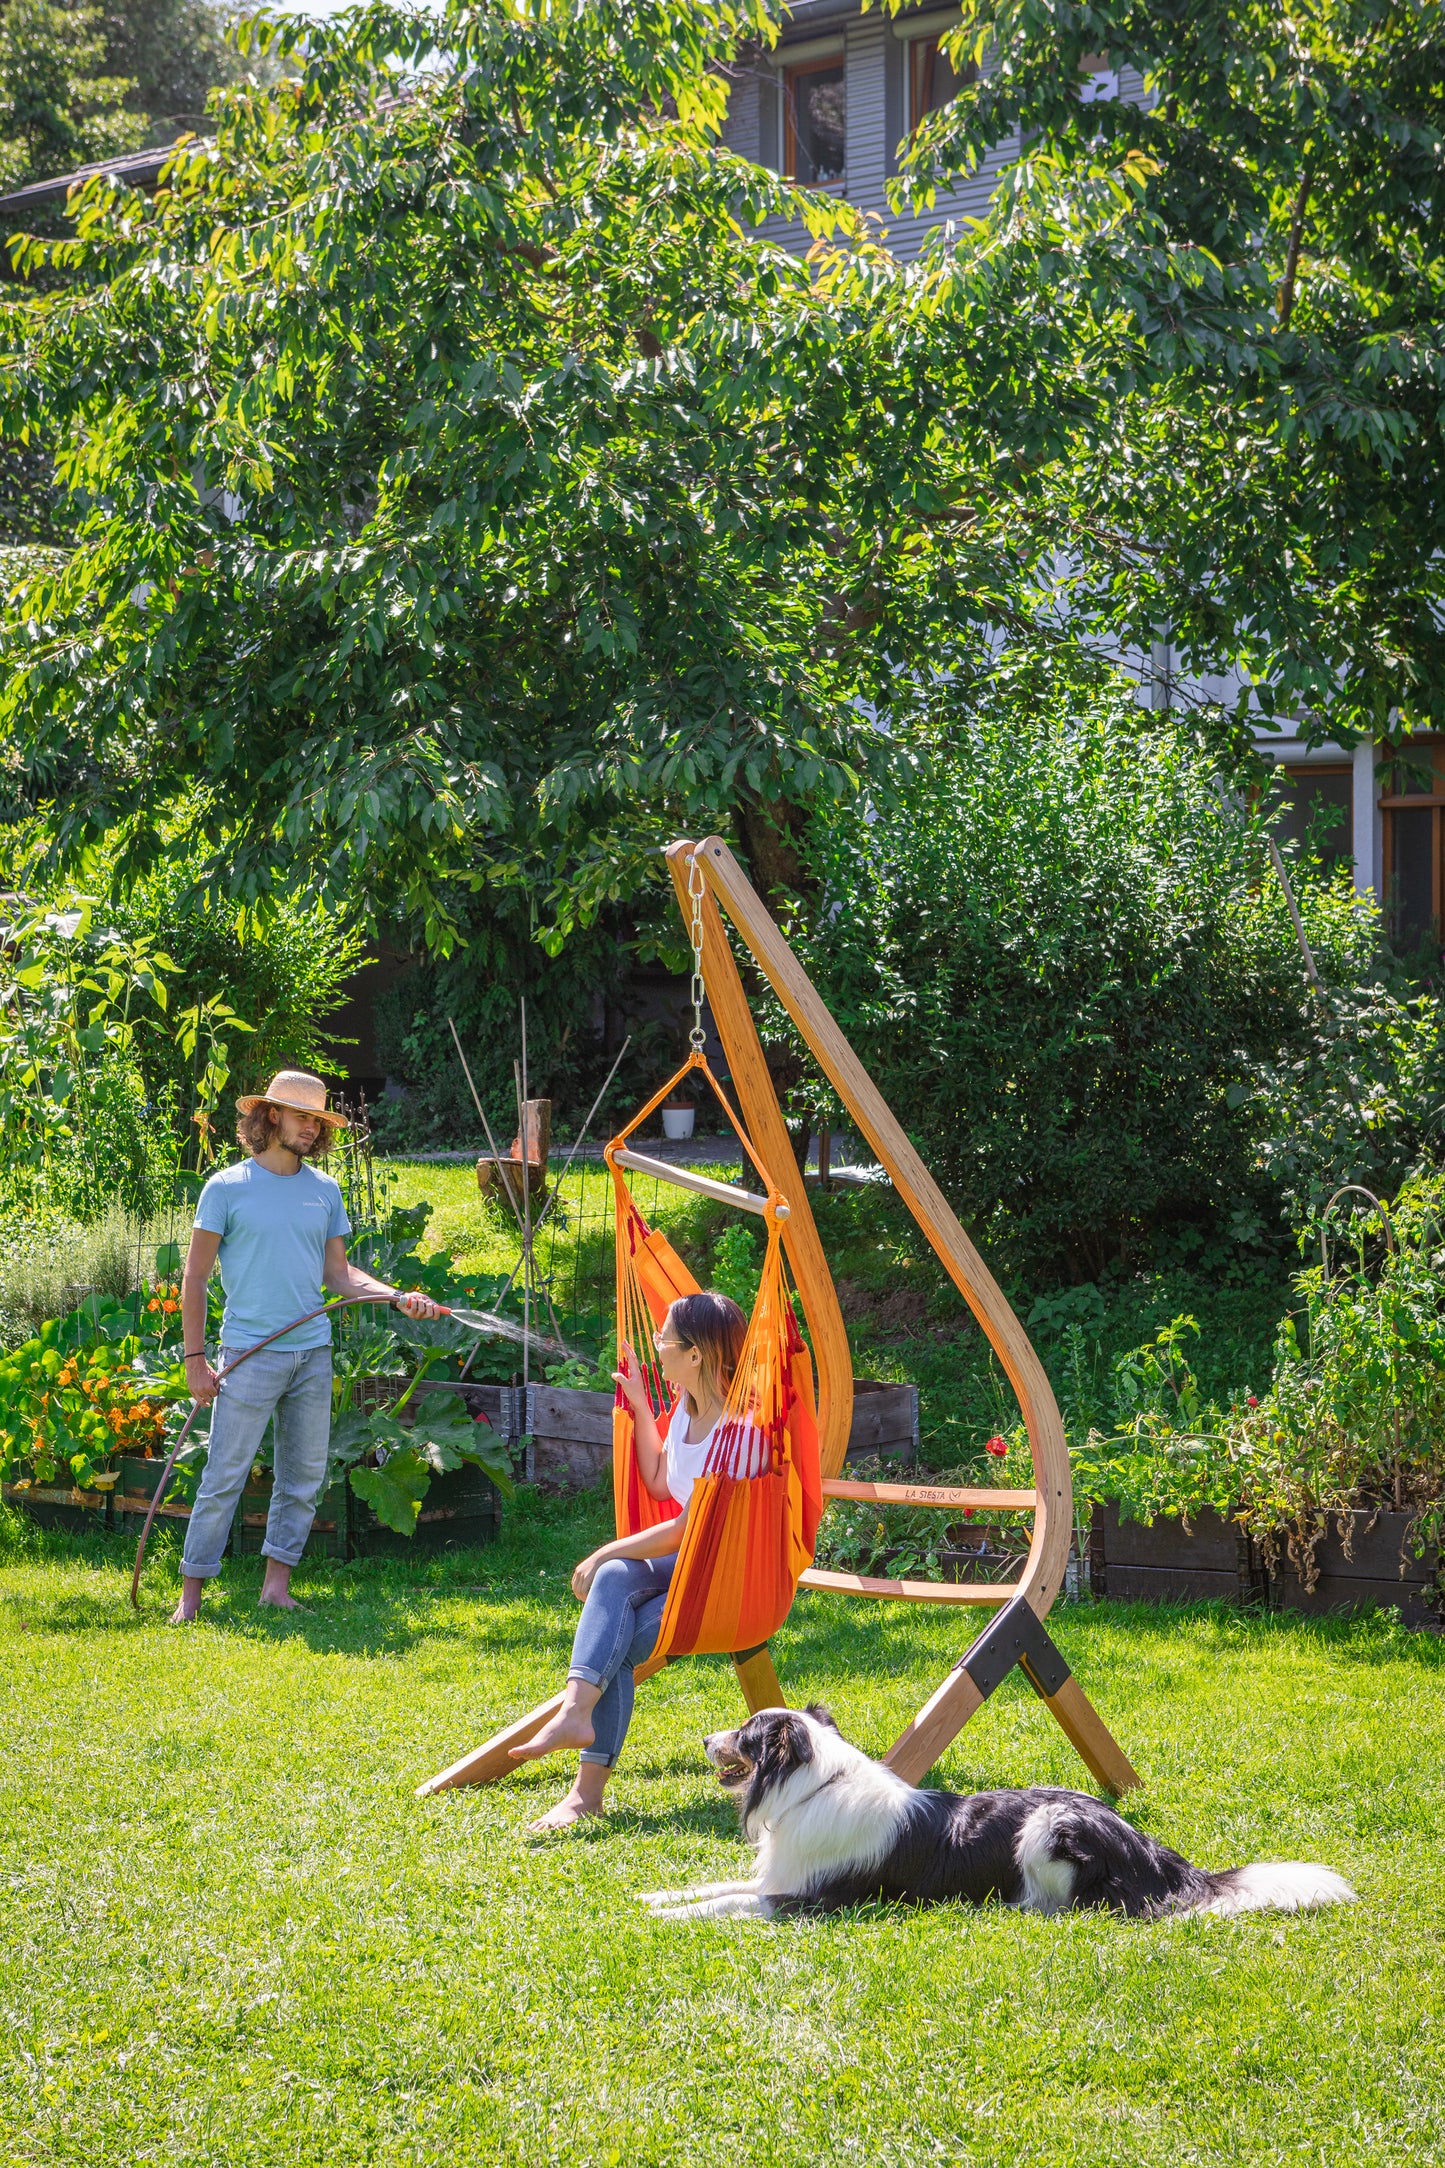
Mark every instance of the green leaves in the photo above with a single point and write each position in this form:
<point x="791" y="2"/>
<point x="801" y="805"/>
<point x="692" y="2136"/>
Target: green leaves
<point x="401" y="1461"/>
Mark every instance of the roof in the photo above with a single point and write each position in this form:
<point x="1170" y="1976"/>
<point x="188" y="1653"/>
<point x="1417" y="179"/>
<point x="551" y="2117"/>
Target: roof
<point x="138" y="169"/>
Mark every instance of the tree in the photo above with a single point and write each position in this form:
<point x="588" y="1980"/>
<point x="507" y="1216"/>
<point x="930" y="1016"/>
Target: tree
<point x="60" y="107"/>
<point x="472" y="501"/>
<point x="1259" y="247"/>
<point x="175" y="53"/>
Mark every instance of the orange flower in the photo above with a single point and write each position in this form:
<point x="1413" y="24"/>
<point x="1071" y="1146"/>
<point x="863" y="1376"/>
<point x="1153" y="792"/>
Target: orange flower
<point x="152" y="1304"/>
<point x="170" y="1308"/>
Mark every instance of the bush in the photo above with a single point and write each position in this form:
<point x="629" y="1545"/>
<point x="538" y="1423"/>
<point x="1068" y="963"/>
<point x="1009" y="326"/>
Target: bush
<point x="1069" y="968"/>
<point x="1354" y="1415"/>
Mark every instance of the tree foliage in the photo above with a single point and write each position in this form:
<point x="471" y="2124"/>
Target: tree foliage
<point x="61" y="102"/>
<point x="1260" y="245"/>
<point x="472" y="500"/>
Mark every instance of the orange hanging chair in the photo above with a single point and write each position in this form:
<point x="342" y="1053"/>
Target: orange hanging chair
<point x="754" y="1514"/>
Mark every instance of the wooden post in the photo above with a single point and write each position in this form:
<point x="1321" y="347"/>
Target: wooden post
<point x="763" y="1118"/>
<point x="1044" y="1574"/>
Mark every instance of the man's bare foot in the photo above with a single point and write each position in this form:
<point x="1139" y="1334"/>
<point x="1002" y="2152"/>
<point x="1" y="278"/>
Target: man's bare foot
<point x="569" y="1727"/>
<point x="276" y="1589"/>
<point x="564" y="1815"/>
<point x="190" y="1603"/>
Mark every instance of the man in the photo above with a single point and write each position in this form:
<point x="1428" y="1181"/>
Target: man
<point x="278" y="1228"/>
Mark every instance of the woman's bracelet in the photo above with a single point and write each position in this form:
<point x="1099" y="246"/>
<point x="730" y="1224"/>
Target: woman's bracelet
<point x="194" y="1354"/>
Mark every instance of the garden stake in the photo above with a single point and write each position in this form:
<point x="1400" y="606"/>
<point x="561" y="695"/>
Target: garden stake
<point x="478" y="1321"/>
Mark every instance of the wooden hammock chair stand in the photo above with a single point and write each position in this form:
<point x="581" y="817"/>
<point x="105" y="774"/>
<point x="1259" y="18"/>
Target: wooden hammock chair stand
<point x="1017" y="1634"/>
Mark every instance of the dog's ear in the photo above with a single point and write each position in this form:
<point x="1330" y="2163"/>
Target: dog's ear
<point x="820" y="1715"/>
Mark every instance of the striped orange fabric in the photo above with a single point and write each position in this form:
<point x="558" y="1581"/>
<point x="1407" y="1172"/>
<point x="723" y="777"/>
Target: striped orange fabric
<point x="748" y="1536"/>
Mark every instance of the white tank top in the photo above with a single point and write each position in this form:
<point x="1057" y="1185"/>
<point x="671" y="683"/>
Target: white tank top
<point x="685" y="1462"/>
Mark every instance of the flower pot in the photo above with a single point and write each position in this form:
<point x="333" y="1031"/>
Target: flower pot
<point x="677" y="1122"/>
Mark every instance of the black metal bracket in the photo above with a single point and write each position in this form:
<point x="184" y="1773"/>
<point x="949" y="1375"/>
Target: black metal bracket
<point x="1014" y="1636"/>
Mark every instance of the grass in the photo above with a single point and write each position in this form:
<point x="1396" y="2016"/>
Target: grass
<point x="233" y="1937"/>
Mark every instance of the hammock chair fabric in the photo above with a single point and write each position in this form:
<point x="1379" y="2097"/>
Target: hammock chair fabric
<point x="755" y="1508"/>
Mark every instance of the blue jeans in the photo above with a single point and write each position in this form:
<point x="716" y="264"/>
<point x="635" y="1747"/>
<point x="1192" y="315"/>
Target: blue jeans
<point x="616" y="1632"/>
<point x="293" y="1387"/>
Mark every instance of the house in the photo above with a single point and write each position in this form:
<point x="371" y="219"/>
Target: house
<point x="833" y="103"/>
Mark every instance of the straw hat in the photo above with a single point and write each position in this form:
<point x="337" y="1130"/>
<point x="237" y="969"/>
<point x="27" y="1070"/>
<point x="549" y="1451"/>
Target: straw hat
<point x="295" y="1089"/>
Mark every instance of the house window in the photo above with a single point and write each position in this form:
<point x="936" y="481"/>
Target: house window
<point x="932" y="82"/>
<point x="1413" y="805"/>
<point x="815" y="116"/>
<point x="1100" y="80"/>
<point x="1318" y="812"/>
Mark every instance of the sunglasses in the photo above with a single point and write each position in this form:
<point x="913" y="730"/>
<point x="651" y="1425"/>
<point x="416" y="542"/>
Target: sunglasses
<point x="662" y="1345"/>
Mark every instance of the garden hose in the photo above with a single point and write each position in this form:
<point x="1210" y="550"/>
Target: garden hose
<point x="324" y="1309"/>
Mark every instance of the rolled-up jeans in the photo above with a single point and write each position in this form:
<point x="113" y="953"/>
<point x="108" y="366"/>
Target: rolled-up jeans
<point x="616" y="1632"/>
<point x="293" y="1387"/>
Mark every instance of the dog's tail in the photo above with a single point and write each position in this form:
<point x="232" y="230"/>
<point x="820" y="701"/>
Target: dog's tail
<point x="1273" y="1885"/>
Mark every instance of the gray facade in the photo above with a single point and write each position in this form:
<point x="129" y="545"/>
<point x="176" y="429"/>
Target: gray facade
<point x="879" y="56"/>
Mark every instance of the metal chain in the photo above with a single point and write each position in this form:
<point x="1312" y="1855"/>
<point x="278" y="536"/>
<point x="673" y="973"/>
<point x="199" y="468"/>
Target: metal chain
<point x="697" y="1037"/>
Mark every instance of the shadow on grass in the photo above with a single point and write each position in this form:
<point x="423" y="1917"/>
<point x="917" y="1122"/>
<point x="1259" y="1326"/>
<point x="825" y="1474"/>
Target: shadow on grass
<point x="515" y="1600"/>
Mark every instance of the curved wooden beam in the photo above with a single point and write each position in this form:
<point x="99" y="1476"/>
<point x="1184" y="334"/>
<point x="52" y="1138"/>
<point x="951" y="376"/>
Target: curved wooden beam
<point x="769" y="1132"/>
<point x="1048" y="1553"/>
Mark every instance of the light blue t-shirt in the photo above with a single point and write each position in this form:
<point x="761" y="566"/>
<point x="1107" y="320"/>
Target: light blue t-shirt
<point x="274" y="1229"/>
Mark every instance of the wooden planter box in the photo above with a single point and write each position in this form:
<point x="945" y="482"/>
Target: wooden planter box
<point x="569" y="1434"/>
<point x="137" y="1487"/>
<point x="1161" y="1564"/>
<point x="79" y="1512"/>
<point x="1379" y="1571"/>
<point x="461" y="1509"/>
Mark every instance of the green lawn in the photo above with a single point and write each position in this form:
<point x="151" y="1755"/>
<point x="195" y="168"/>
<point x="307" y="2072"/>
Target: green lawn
<point x="233" y="1937"/>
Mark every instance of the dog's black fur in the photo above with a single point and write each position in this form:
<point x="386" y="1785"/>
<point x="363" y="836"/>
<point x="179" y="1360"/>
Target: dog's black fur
<point x="834" y="1829"/>
<point x="950" y="1847"/>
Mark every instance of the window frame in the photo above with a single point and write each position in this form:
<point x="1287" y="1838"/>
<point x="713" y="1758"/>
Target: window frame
<point x="790" y="71"/>
<point x="912" y="47"/>
<point x="1432" y="801"/>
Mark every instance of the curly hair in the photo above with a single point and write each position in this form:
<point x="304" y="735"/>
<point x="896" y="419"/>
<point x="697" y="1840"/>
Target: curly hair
<point x="255" y="1132"/>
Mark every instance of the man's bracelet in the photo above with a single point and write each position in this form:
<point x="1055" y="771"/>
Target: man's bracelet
<point x="194" y="1354"/>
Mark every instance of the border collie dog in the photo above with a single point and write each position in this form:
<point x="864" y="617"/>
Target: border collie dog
<point x="833" y="1828"/>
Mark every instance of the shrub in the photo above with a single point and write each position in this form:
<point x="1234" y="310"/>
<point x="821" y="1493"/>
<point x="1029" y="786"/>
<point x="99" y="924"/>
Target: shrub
<point x="1068" y="966"/>
<point x="1353" y="1417"/>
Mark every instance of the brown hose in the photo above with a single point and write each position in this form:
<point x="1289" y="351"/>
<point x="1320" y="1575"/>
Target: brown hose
<point x="324" y="1310"/>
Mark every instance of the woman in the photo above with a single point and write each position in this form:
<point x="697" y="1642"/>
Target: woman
<point x="623" y="1585"/>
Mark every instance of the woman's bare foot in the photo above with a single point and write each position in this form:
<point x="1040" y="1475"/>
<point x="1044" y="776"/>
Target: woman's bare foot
<point x="569" y="1727"/>
<point x="565" y="1815"/>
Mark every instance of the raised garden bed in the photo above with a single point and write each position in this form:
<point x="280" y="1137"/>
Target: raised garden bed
<point x="569" y="1433"/>
<point x="79" y="1512"/>
<point x="1366" y="1564"/>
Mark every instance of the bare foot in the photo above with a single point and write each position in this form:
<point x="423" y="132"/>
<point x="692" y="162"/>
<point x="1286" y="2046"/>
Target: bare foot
<point x="276" y="1588"/>
<point x="569" y="1727"/>
<point x="192" y="1589"/>
<point x="564" y="1815"/>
